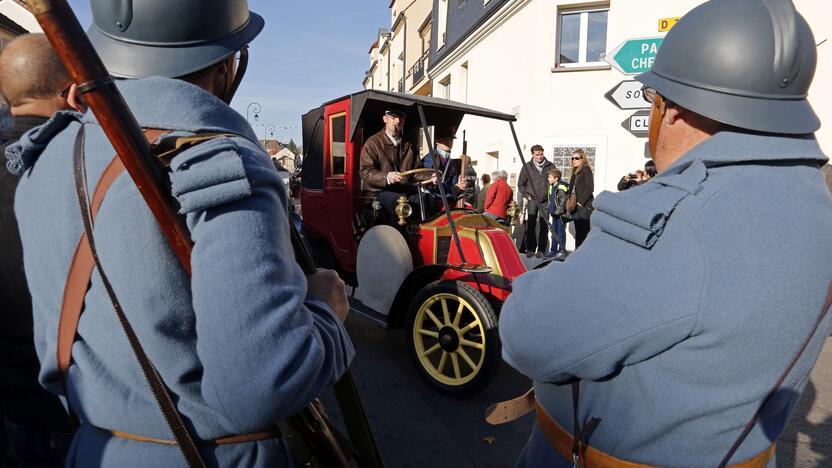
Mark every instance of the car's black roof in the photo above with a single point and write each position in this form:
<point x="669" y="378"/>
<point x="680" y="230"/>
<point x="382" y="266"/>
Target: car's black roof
<point x="372" y="103"/>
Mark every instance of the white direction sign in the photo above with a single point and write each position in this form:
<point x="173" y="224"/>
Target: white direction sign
<point x="638" y="123"/>
<point x="627" y="95"/>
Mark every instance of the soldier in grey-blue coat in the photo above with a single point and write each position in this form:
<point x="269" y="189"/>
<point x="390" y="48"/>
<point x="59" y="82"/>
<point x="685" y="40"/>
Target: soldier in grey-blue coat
<point x="244" y="343"/>
<point x="686" y="304"/>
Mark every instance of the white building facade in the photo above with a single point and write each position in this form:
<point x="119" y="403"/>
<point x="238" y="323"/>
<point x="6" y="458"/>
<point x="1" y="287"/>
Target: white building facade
<point x="543" y="61"/>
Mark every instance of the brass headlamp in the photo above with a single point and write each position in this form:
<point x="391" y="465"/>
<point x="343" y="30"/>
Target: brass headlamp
<point x="403" y="210"/>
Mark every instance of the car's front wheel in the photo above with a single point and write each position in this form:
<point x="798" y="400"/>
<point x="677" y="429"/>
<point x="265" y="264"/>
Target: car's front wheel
<point x="452" y="337"/>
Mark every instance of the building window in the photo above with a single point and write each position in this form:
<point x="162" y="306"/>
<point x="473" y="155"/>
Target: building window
<point x="562" y="158"/>
<point x="463" y="77"/>
<point x="444" y="88"/>
<point x="338" y="143"/>
<point x="582" y="37"/>
<point x="442" y="17"/>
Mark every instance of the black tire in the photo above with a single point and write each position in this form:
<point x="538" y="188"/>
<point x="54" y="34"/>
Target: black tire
<point x="447" y="368"/>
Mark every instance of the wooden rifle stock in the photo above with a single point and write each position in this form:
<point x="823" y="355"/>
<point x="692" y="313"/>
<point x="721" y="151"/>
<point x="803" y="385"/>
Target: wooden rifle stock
<point x="76" y="52"/>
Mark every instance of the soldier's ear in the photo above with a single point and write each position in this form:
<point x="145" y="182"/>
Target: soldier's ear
<point x="673" y="114"/>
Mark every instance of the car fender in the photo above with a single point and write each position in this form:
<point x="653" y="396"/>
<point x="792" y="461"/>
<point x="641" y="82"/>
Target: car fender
<point x="384" y="262"/>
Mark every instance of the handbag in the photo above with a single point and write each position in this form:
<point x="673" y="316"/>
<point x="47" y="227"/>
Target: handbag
<point x="571" y="202"/>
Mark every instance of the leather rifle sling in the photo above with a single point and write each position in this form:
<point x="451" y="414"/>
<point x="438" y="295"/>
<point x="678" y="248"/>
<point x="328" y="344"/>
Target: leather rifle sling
<point x="68" y="327"/>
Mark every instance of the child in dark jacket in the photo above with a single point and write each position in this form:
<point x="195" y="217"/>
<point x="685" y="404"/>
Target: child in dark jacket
<point x="557" y="209"/>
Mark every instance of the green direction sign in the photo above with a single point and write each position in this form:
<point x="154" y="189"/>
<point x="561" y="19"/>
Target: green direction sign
<point x="634" y="56"/>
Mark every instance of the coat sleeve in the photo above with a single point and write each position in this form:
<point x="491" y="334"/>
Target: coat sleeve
<point x="523" y="183"/>
<point x="267" y="349"/>
<point x="585" y="186"/>
<point x="616" y="304"/>
<point x="368" y="163"/>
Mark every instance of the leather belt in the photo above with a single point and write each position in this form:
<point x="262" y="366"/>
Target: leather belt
<point x="273" y="433"/>
<point x="590" y="457"/>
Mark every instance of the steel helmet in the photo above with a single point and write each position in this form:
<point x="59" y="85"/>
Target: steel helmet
<point x="745" y="63"/>
<point x="143" y="38"/>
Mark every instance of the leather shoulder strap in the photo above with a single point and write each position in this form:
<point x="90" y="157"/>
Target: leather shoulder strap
<point x="80" y="272"/>
<point x="161" y="393"/>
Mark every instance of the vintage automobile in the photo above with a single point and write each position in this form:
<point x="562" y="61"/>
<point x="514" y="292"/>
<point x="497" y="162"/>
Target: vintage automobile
<point x="442" y="277"/>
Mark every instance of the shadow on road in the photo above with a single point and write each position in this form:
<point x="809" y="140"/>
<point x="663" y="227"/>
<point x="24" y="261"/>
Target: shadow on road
<point x="800" y="428"/>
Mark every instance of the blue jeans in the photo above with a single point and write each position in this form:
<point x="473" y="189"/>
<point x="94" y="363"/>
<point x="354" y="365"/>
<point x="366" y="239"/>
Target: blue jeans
<point x="558" y="235"/>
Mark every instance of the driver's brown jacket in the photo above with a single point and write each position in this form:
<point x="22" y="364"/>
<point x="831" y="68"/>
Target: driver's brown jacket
<point x="379" y="156"/>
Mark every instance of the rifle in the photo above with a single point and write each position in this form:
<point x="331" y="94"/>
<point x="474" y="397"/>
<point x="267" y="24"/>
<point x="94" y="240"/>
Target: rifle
<point x="83" y="64"/>
<point x="463" y="166"/>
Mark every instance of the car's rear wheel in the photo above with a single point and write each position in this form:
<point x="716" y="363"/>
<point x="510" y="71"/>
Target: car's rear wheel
<point x="452" y="337"/>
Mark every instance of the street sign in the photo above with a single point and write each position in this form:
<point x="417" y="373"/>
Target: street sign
<point x="634" y="56"/>
<point x="666" y="23"/>
<point x="627" y="95"/>
<point x="638" y="123"/>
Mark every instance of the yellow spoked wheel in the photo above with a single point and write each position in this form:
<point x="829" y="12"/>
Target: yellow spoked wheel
<point x="452" y="337"/>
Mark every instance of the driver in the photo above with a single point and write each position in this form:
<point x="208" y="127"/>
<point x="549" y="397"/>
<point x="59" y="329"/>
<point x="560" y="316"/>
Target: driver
<point x="384" y="157"/>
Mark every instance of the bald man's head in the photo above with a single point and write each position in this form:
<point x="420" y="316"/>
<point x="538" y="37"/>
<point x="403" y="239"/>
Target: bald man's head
<point x="32" y="75"/>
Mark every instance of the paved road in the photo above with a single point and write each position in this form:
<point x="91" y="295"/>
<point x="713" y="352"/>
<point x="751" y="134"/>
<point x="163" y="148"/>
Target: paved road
<point x="807" y="441"/>
<point x="418" y="427"/>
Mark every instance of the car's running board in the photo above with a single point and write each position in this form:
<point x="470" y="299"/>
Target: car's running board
<point x="368" y="313"/>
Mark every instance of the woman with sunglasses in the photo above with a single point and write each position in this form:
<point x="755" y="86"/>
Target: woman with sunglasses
<point x="582" y="184"/>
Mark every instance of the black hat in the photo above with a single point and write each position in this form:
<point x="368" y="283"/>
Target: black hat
<point x="396" y="112"/>
<point x="445" y="132"/>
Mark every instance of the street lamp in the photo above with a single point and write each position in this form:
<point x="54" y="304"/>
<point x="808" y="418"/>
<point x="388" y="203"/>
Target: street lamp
<point x="256" y="107"/>
<point x="270" y="132"/>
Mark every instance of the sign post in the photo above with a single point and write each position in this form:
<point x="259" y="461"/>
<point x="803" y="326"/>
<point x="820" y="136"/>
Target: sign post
<point x="627" y="95"/>
<point x="638" y="123"/>
<point x="634" y="56"/>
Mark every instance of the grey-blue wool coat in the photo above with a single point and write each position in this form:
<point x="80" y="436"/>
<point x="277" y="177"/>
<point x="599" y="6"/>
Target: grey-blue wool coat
<point x="689" y="298"/>
<point x="240" y="344"/>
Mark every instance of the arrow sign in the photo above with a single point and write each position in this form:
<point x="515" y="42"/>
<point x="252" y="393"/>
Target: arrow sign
<point x="634" y="56"/>
<point x="627" y="95"/>
<point x="638" y="123"/>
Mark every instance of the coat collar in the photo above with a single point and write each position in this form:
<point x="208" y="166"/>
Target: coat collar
<point x="385" y="140"/>
<point x="733" y="147"/>
<point x="155" y="102"/>
<point x="167" y="103"/>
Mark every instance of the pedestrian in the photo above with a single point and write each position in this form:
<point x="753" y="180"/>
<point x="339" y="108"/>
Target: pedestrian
<point x="534" y="188"/>
<point x="483" y="192"/>
<point x="637" y="178"/>
<point x="498" y="198"/>
<point x="827" y="175"/>
<point x="650" y="169"/>
<point x="581" y="186"/>
<point x="244" y="342"/>
<point x="38" y="426"/>
<point x="680" y="315"/>
<point x="558" y="189"/>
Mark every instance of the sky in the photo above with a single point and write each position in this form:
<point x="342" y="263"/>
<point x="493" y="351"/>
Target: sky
<point x="310" y="52"/>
